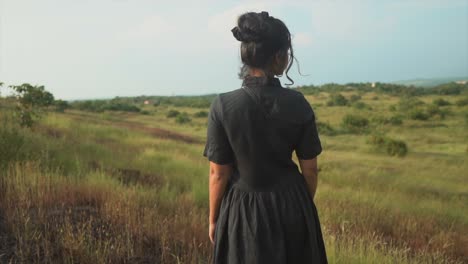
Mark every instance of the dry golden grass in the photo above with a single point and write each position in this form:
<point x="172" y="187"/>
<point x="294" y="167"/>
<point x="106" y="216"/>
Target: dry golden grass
<point x="107" y="188"/>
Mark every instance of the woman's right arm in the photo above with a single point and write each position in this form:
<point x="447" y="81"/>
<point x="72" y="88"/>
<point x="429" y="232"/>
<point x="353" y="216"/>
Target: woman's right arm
<point x="310" y="171"/>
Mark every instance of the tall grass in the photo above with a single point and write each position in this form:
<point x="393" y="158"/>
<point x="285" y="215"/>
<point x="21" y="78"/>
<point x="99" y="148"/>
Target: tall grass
<point x="102" y="187"/>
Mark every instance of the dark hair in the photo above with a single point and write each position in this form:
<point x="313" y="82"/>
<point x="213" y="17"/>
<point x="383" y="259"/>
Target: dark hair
<point x="262" y="37"/>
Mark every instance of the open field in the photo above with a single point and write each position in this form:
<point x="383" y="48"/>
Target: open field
<point x="126" y="187"/>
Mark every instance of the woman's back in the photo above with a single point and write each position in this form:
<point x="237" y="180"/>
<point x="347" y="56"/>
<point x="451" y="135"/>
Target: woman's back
<point x="264" y="124"/>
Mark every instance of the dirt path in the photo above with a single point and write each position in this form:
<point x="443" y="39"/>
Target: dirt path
<point x="154" y="131"/>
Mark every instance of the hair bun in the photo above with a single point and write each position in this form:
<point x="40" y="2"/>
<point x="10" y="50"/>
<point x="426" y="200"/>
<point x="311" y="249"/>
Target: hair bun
<point x="246" y="35"/>
<point x="251" y="27"/>
<point x="264" y="14"/>
<point x="236" y="32"/>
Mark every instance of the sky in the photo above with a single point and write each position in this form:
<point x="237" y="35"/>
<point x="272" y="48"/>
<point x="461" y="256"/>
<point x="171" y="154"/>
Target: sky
<point x="107" y="48"/>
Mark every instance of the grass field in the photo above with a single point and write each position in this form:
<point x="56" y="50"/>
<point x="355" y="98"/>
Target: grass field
<point x="83" y="187"/>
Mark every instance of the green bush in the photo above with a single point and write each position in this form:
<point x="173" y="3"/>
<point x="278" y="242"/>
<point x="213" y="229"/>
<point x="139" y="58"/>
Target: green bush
<point x="61" y="106"/>
<point x="354" y="123"/>
<point x="354" y="98"/>
<point x="418" y="114"/>
<point x="440" y="102"/>
<point x="395" y="120"/>
<point x="325" y="129"/>
<point x="392" y="147"/>
<point x="201" y="114"/>
<point x="172" y="113"/>
<point x="408" y="103"/>
<point x="105" y="105"/>
<point x="32" y="103"/>
<point x="145" y="112"/>
<point x="337" y="100"/>
<point x="396" y="147"/>
<point x="125" y="107"/>
<point x="434" y="110"/>
<point x="462" y="102"/>
<point x="392" y="120"/>
<point x="450" y="88"/>
<point x="89" y="105"/>
<point x="183" y="118"/>
<point x="361" y="105"/>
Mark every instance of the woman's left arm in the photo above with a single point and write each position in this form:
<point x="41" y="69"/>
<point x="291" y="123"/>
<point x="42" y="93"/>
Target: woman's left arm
<point x="219" y="176"/>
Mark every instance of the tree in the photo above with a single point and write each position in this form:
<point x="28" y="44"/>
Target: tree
<point x="61" y="105"/>
<point x="32" y="101"/>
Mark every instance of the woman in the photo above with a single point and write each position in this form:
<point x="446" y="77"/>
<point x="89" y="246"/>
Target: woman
<point x="261" y="206"/>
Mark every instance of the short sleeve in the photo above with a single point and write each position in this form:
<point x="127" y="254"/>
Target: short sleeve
<point x="309" y="145"/>
<point x="217" y="147"/>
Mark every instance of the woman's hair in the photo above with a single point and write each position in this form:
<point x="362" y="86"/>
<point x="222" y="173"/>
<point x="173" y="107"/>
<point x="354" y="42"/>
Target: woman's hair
<point x="262" y="37"/>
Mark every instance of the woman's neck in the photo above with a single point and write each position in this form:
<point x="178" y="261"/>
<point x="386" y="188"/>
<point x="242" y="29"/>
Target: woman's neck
<point x="256" y="73"/>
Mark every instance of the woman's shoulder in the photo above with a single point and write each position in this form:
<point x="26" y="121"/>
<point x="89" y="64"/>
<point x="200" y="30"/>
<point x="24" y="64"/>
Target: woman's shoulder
<point x="293" y="94"/>
<point x="231" y="98"/>
<point x="226" y="101"/>
<point x="297" y="102"/>
<point x="291" y="101"/>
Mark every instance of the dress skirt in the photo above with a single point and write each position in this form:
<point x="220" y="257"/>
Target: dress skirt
<point x="272" y="227"/>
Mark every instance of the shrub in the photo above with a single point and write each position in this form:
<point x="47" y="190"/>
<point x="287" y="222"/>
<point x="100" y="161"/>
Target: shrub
<point x="32" y="101"/>
<point x="201" y="114"/>
<point x="145" y="112"/>
<point x="392" y="147"/>
<point x="354" y="98"/>
<point x="355" y="123"/>
<point x="325" y="129"/>
<point x="172" y="113"/>
<point x="408" y="103"/>
<point x="89" y="105"/>
<point x="183" y="118"/>
<point x="434" y="110"/>
<point x="418" y="114"/>
<point x="61" y="105"/>
<point x="125" y="107"/>
<point x="361" y="105"/>
<point x="396" y="147"/>
<point x="337" y="100"/>
<point x="449" y="88"/>
<point x="105" y="105"/>
<point x="462" y="102"/>
<point x="440" y="102"/>
<point x="393" y="120"/>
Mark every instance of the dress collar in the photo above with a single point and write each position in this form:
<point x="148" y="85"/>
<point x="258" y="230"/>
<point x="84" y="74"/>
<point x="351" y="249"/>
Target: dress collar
<point x="252" y="81"/>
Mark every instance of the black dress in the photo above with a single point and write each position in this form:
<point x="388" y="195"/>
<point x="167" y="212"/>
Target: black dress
<point x="266" y="214"/>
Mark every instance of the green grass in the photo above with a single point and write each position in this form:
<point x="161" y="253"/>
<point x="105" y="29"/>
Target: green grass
<point x="111" y="187"/>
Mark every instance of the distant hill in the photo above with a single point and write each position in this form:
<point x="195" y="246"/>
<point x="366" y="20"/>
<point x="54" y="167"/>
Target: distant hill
<point x="431" y="82"/>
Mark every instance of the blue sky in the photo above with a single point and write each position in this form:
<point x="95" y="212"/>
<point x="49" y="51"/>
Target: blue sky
<point x="107" y="48"/>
